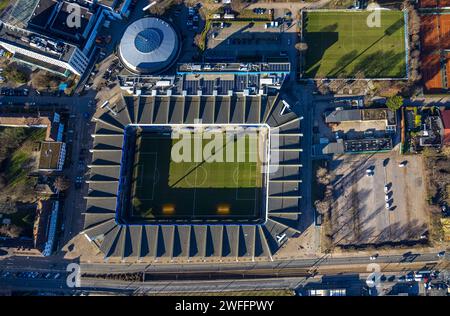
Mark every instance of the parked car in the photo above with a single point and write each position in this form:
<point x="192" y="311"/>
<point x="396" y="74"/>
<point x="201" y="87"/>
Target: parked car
<point x="78" y="182"/>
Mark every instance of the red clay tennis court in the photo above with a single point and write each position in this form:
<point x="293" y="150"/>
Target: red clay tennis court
<point x="444" y="3"/>
<point x="431" y="72"/>
<point x="447" y="67"/>
<point x="430" y="32"/>
<point x="435" y="37"/>
<point x="428" y="3"/>
<point x="444" y="30"/>
<point x="434" y="3"/>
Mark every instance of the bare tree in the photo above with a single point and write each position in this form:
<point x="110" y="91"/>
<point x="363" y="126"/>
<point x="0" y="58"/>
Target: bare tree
<point x="61" y="184"/>
<point x="11" y="231"/>
<point x="43" y="80"/>
<point x="238" y="5"/>
<point x="301" y="46"/>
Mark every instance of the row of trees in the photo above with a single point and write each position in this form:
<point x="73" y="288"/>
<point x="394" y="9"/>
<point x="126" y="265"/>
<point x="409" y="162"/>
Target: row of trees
<point x="324" y="179"/>
<point x="414" y="42"/>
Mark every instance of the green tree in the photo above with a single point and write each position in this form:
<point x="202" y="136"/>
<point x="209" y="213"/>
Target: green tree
<point x="395" y="102"/>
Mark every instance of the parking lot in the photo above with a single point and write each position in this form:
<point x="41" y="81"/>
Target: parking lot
<point x="233" y="39"/>
<point x="182" y="17"/>
<point x="359" y="212"/>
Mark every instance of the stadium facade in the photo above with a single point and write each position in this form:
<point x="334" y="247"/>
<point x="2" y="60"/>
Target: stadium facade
<point x="149" y="45"/>
<point x="189" y="240"/>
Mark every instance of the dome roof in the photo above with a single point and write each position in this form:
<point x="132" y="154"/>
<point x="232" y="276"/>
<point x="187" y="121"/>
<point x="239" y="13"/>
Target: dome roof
<point x="148" y="45"/>
<point x="148" y="40"/>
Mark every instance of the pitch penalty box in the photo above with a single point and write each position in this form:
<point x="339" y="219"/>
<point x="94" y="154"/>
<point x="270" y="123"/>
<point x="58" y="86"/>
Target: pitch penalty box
<point x="220" y="144"/>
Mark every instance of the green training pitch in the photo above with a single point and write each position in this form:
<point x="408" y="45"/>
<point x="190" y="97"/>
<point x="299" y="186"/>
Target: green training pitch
<point x="229" y="187"/>
<point x="342" y="45"/>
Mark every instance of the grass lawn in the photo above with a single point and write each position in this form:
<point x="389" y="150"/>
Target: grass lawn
<point x="16" y="157"/>
<point x="3" y="4"/>
<point x="341" y="44"/>
<point x="163" y="188"/>
<point x="17" y="160"/>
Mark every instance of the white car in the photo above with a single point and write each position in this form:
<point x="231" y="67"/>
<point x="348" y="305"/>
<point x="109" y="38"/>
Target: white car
<point x="387" y="205"/>
<point x="386" y="189"/>
<point x="402" y="164"/>
<point x="409" y="278"/>
<point x="386" y="198"/>
<point x="374" y="257"/>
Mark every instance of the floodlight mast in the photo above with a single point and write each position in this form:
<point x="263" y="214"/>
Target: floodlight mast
<point x="149" y="6"/>
<point x="106" y="105"/>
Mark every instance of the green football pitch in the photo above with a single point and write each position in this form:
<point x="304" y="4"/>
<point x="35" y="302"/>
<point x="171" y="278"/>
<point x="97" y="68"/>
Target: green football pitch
<point x="198" y="187"/>
<point x="341" y="44"/>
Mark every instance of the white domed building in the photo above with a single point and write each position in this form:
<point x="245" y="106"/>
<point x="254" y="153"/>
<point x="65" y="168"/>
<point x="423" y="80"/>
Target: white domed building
<point x="149" y="45"/>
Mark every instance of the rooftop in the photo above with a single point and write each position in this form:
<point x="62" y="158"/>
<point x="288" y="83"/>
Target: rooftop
<point x="234" y="68"/>
<point x="43" y="13"/>
<point x="48" y="120"/>
<point x="59" y="25"/>
<point x="50" y="155"/>
<point x="148" y="45"/>
<point x="35" y="42"/>
<point x="223" y="79"/>
<point x="380" y="114"/>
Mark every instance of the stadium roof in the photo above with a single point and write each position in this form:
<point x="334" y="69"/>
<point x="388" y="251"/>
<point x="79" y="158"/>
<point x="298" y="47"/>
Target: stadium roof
<point x="148" y="45"/>
<point x="188" y="240"/>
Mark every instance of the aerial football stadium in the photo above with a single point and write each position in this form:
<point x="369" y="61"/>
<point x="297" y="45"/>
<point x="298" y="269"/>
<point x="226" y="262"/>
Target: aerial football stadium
<point x="142" y="204"/>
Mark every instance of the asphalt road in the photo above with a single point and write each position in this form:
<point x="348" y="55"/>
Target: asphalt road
<point x="53" y="264"/>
